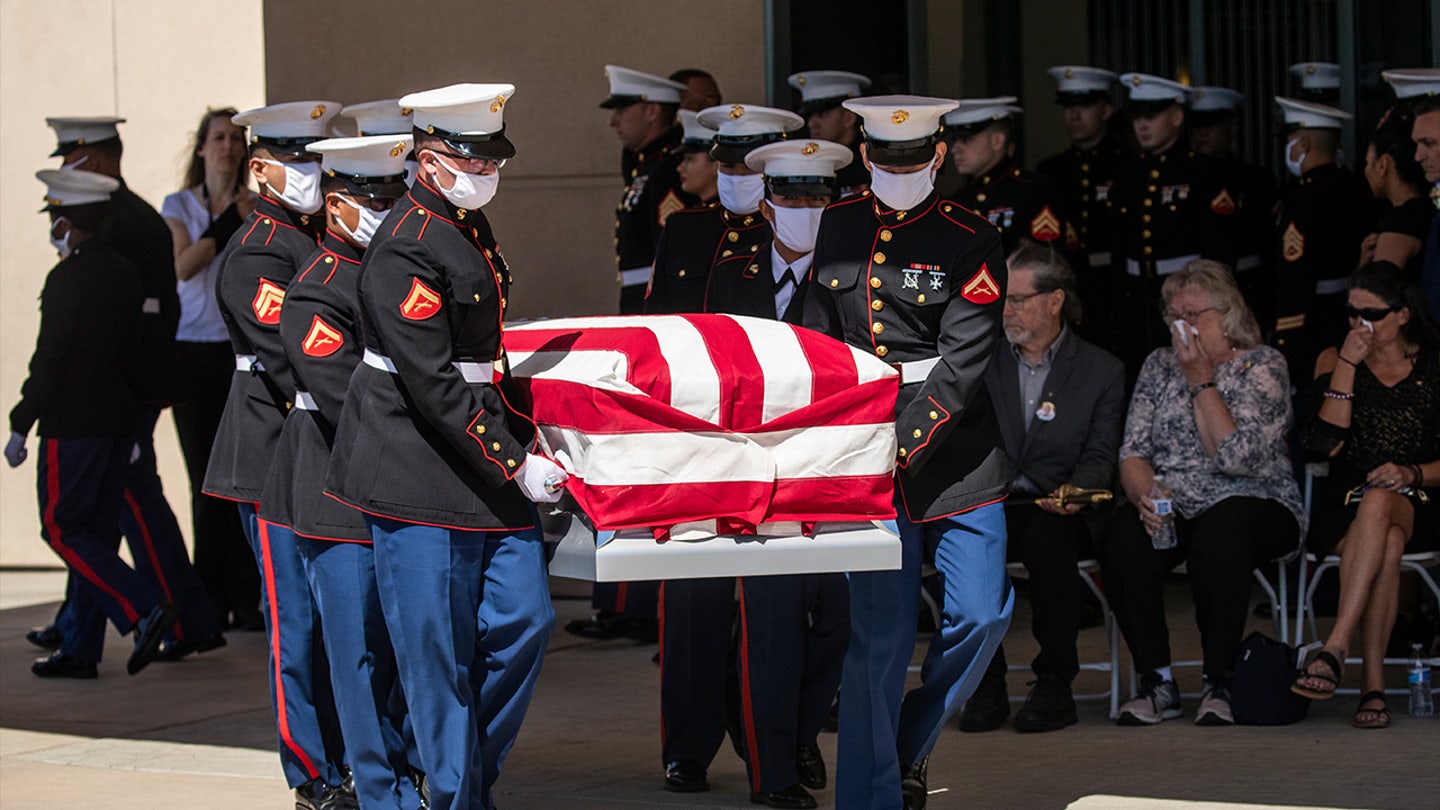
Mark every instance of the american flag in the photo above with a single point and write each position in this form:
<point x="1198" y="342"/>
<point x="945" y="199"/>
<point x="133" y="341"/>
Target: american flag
<point x="730" y="423"/>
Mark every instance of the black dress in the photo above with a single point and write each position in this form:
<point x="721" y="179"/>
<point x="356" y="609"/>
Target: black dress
<point x="1399" y="424"/>
<point x="1411" y="218"/>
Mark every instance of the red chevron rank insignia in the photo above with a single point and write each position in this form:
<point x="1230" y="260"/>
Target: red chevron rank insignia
<point x="268" y="298"/>
<point x="421" y="303"/>
<point x="981" y="289"/>
<point x="323" y="339"/>
<point x="1045" y="226"/>
<point x="1223" y="203"/>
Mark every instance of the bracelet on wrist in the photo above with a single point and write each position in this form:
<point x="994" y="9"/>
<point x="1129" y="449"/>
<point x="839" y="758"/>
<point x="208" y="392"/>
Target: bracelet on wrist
<point x="1344" y="396"/>
<point x="1196" y="389"/>
<point x="1342" y="359"/>
<point x="1419" y="476"/>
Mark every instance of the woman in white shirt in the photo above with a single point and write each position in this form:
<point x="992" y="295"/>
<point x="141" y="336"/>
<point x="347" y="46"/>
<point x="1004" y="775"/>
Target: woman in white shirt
<point x="202" y="217"/>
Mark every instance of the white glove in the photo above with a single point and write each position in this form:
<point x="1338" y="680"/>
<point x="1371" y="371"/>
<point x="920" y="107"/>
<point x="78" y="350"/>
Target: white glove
<point x="15" y="451"/>
<point x="541" y="479"/>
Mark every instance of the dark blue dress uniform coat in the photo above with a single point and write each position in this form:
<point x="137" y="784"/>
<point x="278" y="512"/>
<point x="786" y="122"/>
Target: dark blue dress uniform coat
<point x="320" y="329"/>
<point x="445" y="455"/>
<point x="693" y="242"/>
<point x="260" y="262"/>
<point x="652" y="194"/>
<point x="914" y="285"/>
<point x="1021" y="205"/>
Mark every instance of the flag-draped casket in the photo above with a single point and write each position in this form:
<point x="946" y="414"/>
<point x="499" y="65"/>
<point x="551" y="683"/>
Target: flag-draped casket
<point x="703" y="425"/>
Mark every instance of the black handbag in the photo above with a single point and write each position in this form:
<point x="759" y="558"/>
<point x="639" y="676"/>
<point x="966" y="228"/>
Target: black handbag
<point x="1260" y="688"/>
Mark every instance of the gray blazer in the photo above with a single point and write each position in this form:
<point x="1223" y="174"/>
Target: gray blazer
<point x="1081" y="443"/>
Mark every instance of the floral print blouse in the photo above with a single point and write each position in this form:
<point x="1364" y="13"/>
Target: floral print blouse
<point x="1251" y="462"/>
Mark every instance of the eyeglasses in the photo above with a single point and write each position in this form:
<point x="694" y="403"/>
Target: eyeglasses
<point x="1187" y="315"/>
<point x="1018" y="300"/>
<point x="376" y="204"/>
<point x="473" y="165"/>
<point x="1369" y="313"/>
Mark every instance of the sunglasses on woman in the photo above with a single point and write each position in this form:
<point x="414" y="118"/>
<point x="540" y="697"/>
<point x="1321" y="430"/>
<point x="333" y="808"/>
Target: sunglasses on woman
<point x="1371" y="314"/>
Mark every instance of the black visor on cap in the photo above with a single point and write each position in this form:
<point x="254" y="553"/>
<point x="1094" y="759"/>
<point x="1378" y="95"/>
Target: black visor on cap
<point x="487" y="146"/>
<point x="1209" y="118"/>
<point x="1081" y="98"/>
<point x="286" y="146"/>
<point x="800" y="186"/>
<point x="696" y="145"/>
<point x="819" y="105"/>
<point x="615" y="102"/>
<point x="386" y="187"/>
<point x="734" y="148"/>
<point x="902" y="153"/>
<point x="1146" y="109"/>
<point x="66" y="147"/>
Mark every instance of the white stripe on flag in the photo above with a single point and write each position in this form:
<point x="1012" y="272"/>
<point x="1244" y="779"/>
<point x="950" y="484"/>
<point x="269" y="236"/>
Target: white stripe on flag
<point x="606" y="370"/>
<point x="788" y="378"/>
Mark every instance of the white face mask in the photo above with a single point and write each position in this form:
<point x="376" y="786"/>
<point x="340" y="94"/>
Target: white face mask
<point x="740" y="193"/>
<point x="1294" y="165"/>
<point x="796" y="228"/>
<point x="302" y="186"/>
<point x="412" y="168"/>
<point x="366" y="227"/>
<point x="70" y="167"/>
<point x="470" y="190"/>
<point x="902" y="191"/>
<point x="61" y="243"/>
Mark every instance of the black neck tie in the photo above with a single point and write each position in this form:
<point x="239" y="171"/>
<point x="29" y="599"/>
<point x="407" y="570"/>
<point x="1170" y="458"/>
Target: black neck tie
<point x="788" y="278"/>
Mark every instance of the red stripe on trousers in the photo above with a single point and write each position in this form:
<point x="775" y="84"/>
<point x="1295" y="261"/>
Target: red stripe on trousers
<point x="52" y="489"/>
<point x="154" y="557"/>
<point x="281" y="716"/>
<point x="752" y="747"/>
<point x="660" y="610"/>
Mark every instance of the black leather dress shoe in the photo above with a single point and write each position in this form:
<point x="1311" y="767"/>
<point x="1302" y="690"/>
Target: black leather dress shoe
<point x="60" y="665"/>
<point x="149" y="632"/>
<point x="603" y="625"/>
<point x="46" y="638"/>
<point x="795" y="797"/>
<point x="914" y="785"/>
<point x="987" y="709"/>
<point x="810" y="767"/>
<point x="1050" y="707"/>
<point x="317" y="795"/>
<point x="176" y="650"/>
<point x="686" y="776"/>
<point x="249" y="620"/>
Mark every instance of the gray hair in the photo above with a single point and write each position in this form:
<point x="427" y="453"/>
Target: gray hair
<point x="1052" y="273"/>
<point x="1215" y="281"/>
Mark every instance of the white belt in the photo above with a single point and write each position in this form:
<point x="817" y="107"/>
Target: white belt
<point x="248" y="363"/>
<point x="473" y="372"/>
<point x="305" y="402"/>
<point x="151" y="306"/>
<point x="634" y="276"/>
<point x="1330" y="286"/>
<point x="1250" y="262"/>
<point x="1163" y="267"/>
<point x="915" y="371"/>
<point x="1099" y="258"/>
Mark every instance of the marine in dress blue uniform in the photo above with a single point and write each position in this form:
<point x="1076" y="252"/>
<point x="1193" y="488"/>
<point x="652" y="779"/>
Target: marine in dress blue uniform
<point x="262" y="258"/>
<point x="134" y="230"/>
<point x="1168" y="207"/>
<point x="919" y="281"/>
<point x="430" y="450"/>
<point x="1322" y="223"/>
<point x="1019" y="203"/>
<point x="697" y="616"/>
<point x="643" y="109"/>
<point x="83" y="392"/>
<point x="319" y="328"/>
<point x="822" y="94"/>
<point x="793" y="628"/>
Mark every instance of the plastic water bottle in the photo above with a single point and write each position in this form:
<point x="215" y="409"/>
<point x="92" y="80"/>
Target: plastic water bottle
<point x="1422" y="703"/>
<point x="1164" y="536"/>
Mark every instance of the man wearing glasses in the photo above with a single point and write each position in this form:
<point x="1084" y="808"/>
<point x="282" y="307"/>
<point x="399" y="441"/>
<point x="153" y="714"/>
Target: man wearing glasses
<point x="259" y="263"/>
<point x="430" y="450"/>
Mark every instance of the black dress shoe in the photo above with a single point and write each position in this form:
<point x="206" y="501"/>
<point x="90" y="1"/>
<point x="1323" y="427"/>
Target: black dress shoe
<point x="60" y="665"/>
<point x="914" y="785"/>
<point x="810" y="767"/>
<point x="794" y="796"/>
<point x="174" y="651"/>
<point x="987" y="709"/>
<point x="686" y="776"/>
<point x="248" y="620"/>
<point x="46" y="638"/>
<point x="149" y="632"/>
<point x="317" y="795"/>
<point x="603" y="625"/>
<point x="1050" y="707"/>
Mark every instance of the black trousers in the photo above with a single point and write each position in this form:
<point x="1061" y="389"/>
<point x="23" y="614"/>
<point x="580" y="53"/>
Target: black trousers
<point x="1050" y="547"/>
<point x="1219" y="547"/>
<point x="697" y="619"/>
<point x="222" y="556"/>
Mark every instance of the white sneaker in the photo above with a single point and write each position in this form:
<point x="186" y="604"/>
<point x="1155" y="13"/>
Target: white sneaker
<point x="1215" y="707"/>
<point x="1156" y="701"/>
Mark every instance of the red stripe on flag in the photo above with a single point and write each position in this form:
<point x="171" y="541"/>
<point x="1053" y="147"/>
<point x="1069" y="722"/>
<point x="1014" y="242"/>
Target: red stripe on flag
<point x="742" y="382"/>
<point x="832" y="365"/>
<point x="646" y="368"/>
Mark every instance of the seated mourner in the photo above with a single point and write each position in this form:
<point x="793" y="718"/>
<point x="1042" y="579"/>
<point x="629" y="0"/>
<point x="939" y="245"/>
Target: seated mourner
<point x="1061" y="404"/>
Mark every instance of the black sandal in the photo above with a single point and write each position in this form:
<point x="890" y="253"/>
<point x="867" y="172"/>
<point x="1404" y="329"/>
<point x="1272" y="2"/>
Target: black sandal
<point x="1337" y="671"/>
<point x="1382" y="714"/>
